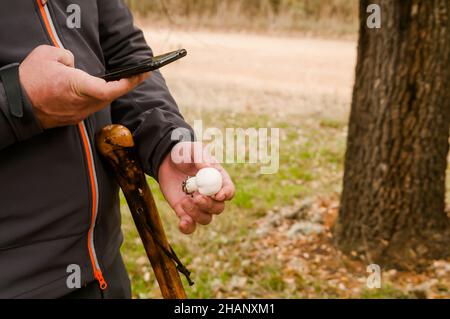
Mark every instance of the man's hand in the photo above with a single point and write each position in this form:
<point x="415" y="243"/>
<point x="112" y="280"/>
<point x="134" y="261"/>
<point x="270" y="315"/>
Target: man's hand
<point x="62" y="95"/>
<point x="198" y="209"/>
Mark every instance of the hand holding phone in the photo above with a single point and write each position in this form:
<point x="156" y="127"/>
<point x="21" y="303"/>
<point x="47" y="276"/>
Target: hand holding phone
<point x="148" y="65"/>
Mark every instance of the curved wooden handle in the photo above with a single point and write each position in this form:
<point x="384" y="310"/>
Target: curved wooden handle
<point x="115" y="143"/>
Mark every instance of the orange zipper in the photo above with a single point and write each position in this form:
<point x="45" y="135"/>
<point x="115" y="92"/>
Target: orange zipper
<point x="45" y="13"/>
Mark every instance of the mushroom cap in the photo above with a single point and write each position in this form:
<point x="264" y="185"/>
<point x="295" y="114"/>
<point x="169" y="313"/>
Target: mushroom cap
<point x="209" y="181"/>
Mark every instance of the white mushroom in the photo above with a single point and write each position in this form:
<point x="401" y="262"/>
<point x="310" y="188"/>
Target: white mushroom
<point x="208" y="182"/>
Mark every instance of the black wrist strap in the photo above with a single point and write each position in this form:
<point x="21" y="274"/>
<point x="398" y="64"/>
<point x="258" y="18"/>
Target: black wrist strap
<point x="11" y="84"/>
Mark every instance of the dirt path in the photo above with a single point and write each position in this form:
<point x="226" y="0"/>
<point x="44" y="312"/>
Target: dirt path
<point x="260" y="73"/>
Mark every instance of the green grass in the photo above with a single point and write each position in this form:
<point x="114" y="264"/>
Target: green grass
<point x="310" y="157"/>
<point x="311" y="164"/>
<point x="386" y="292"/>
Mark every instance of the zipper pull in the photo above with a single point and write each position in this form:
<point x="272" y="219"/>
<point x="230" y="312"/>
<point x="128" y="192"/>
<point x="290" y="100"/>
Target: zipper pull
<point x="102" y="282"/>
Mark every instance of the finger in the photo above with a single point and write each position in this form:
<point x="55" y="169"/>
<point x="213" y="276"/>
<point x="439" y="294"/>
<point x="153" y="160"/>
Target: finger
<point x="225" y="194"/>
<point x="187" y="224"/>
<point x="207" y="160"/>
<point x="209" y="205"/>
<point x="49" y="52"/>
<point x="65" y="57"/>
<point x="196" y="213"/>
<point x="228" y="189"/>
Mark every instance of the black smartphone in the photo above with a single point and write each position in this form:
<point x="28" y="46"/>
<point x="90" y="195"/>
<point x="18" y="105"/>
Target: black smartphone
<point x="148" y="65"/>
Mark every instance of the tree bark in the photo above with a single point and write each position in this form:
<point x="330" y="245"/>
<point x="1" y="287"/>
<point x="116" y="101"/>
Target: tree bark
<point x="393" y="202"/>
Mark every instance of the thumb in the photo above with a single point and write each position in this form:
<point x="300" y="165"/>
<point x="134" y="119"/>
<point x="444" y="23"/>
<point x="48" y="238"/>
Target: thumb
<point x="116" y="89"/>
<point x="105" y="91"/>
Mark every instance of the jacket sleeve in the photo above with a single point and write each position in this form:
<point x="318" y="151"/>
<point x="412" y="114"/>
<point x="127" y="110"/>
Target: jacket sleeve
<point x="150" y="111"/>
<point x="15" y="128"/>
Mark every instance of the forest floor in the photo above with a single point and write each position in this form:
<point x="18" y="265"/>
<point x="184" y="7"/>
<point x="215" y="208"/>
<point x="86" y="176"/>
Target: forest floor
<point x="275" y="240"/>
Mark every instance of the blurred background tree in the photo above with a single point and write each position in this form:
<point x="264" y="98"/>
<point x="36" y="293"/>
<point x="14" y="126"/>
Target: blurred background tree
<point x="303" y="15"/>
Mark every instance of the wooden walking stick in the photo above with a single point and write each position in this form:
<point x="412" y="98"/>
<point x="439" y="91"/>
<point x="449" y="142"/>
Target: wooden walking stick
<point x="115" y="143"/>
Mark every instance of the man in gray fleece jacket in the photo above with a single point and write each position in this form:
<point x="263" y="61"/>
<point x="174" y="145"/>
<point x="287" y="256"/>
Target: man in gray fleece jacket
<point x="55" y="190"/>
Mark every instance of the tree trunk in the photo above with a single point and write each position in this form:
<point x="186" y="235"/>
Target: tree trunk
<point x="393" y="202"/>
